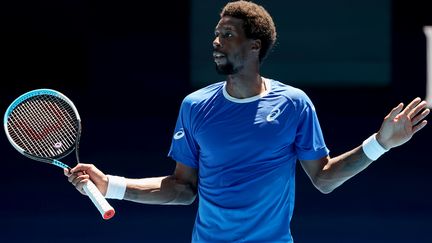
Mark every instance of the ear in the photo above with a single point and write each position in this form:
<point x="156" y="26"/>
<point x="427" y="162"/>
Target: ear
<point x="256" y="45"/>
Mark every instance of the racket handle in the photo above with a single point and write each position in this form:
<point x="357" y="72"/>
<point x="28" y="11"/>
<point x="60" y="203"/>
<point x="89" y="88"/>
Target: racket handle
<point x="99" y="201"/>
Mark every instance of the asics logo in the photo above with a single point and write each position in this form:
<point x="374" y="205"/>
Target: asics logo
<point x="179" y="134"/>
<point x="273" y="115"/>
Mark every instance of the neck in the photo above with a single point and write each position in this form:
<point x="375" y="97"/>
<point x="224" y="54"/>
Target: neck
<point x="242" y="86"/>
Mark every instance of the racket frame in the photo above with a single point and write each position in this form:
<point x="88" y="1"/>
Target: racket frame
<point x="91" y="190"/>
<point x="29" y="95"/>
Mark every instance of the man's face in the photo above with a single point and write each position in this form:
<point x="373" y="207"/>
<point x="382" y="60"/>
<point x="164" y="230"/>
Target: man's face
<point x="230" y="46"/>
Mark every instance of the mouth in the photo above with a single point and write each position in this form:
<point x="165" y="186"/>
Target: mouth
<point x="218" y="55"/>
<point x="219" y="58"/>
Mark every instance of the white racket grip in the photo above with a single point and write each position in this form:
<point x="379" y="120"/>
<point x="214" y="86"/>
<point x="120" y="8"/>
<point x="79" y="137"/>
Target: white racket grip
<point x="98" y="200"/>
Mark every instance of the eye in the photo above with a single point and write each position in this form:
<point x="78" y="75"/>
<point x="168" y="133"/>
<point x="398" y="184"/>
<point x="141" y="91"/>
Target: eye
<point x="223" y="34"/>
<point x="228" y="35"/>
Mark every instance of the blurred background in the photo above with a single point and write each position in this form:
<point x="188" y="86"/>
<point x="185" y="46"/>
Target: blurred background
<point x="127" y="65"/>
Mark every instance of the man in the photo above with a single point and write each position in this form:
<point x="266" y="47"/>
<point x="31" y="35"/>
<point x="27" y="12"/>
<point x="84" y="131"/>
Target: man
<point x="236" y="143"/>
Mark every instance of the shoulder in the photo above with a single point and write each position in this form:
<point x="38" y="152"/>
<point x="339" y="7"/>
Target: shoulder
<point x="202" y="95"/>
<point x="295" y="95"/>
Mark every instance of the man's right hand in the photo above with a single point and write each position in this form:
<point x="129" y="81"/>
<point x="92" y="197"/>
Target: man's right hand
<point x="82" y="173"/>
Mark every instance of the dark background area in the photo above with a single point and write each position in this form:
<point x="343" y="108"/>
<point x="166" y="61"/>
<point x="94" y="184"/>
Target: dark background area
<point x="126" y="67"/>
<point x="332" y="43"/>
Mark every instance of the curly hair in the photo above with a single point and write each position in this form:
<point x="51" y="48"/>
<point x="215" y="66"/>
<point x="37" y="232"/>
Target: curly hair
<point x="257" y="23"/>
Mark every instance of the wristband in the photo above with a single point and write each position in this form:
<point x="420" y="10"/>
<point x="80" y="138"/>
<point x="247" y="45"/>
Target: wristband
<point x="116" y="187"/>
<point x="372" y="148"/>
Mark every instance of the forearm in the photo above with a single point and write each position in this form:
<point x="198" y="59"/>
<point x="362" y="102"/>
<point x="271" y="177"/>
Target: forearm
<point x="341" y="168"/>
<point x="398" y="127"/>
<point x="159" y="190"/>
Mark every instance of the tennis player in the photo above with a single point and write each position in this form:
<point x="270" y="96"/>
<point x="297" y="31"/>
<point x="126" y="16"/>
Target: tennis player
<point x="236" y="143"/>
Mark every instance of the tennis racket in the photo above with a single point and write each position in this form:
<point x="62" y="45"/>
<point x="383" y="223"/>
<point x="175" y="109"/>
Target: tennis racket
<point x="44" y="125"/>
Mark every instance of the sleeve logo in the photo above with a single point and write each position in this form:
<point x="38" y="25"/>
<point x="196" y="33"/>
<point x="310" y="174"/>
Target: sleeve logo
<point x="179" y="134"/>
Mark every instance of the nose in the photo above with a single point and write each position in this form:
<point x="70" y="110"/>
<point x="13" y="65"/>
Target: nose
<point x="216" y="43"/>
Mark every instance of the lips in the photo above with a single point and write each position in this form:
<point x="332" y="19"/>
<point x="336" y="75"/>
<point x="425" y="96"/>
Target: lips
<point x="217" y="55"/>
<point x="219" y="58"/>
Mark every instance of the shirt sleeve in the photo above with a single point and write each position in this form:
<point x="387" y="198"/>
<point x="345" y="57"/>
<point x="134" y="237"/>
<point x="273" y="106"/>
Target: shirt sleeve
<point x="184" y="148"/>
<point x="309" y="141"/>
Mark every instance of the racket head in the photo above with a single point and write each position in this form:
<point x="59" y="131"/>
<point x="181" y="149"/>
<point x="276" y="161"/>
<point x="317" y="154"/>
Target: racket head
<point x="43" y="124"/>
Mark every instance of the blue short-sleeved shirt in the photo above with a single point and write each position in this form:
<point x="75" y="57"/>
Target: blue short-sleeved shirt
<point x="245" y="151"/>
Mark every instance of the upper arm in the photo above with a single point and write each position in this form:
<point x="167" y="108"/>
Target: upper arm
<point x="186" y="175"/>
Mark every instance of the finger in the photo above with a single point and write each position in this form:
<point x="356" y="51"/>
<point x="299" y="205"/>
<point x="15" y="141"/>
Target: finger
<point x="393" y="113"/>
<point x="411" y="105"/>
<point x="73" y="176"/>
<point x="81" y="167"/>
<point x="420" y="126"/>
<point x="80" y="186"/>
<point x="420" y="117"/>
<point x="79" y="179"/>
<point x="417" y="109"/>
<point x="67" y="172"/>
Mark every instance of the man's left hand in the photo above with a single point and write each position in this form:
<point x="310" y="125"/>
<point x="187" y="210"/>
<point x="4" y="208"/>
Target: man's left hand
<point x="400" y="125"/>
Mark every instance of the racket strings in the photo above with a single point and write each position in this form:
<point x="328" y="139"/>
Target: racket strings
<point x="29" y="131"/>
<point x="18" y="136"/>
<point x="28" y="134"/>
<point x="23" y="136"/>
<point x="59" y="110"/>
<point x="45" y="126"/>
<point x="41" y="127"/>
<point x="49" y="117"/>
<point x="72" y="127"/>
<point x="46" y="121"/>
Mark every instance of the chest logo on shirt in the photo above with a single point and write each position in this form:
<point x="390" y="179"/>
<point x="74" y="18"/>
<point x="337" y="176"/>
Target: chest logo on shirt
<point x="179" y="134"/>
<point x="273" y="114"/>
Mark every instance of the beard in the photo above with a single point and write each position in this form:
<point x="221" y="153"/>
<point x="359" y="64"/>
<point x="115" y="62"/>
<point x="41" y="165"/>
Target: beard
<point x="228" y="68"/>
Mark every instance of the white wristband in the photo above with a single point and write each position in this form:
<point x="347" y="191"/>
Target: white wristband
<point x="116" y="187"/>
<point x="372" y="148"/>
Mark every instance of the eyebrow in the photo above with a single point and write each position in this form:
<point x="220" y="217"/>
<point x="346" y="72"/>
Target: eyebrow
<point x="226" y="27"/>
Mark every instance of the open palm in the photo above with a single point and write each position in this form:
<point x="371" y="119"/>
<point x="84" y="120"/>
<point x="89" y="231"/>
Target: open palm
<point x="400" y="125"/>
